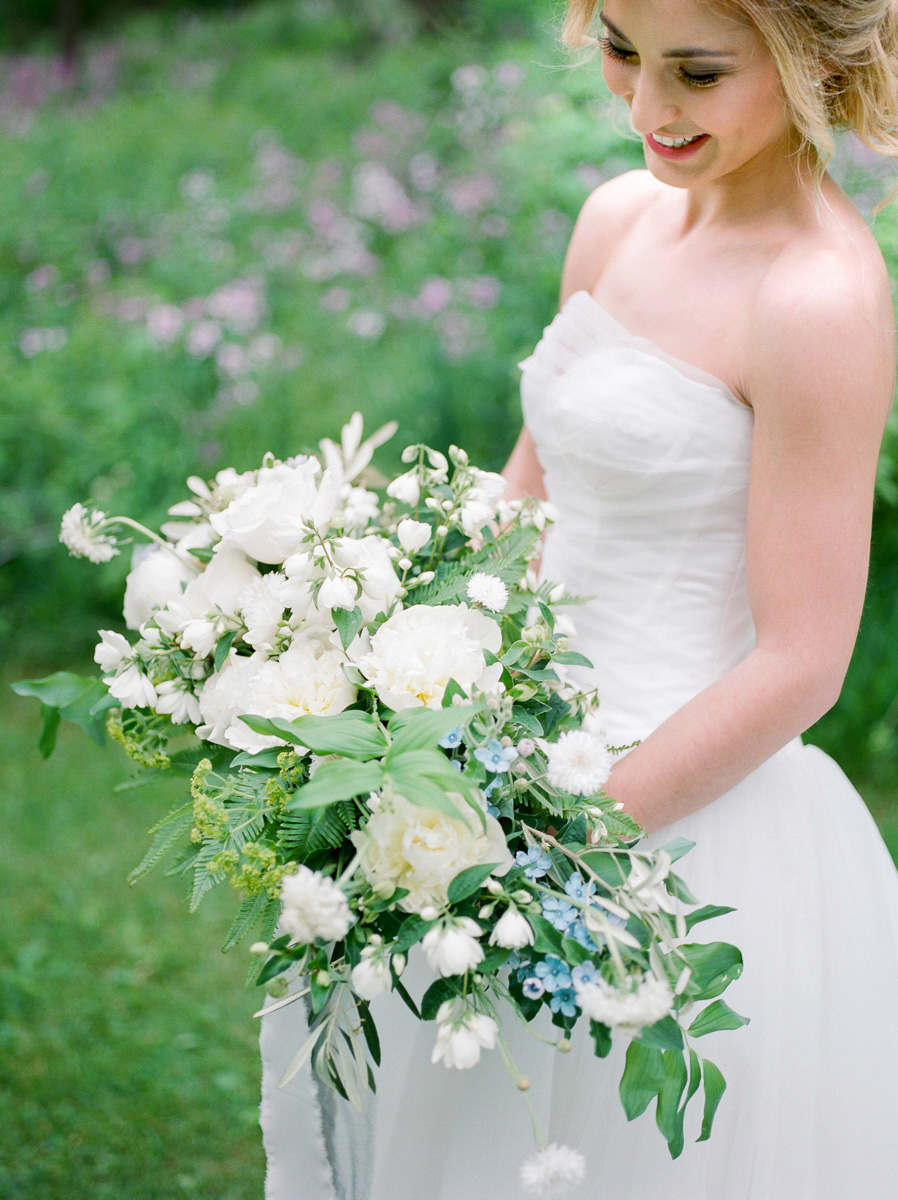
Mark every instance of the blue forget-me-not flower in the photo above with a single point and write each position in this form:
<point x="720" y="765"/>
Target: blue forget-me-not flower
<point x="553" y="973"/>
<point x="496" y="757"/>
<point x="564" y="1001"/>
<point x="535" y="862"/>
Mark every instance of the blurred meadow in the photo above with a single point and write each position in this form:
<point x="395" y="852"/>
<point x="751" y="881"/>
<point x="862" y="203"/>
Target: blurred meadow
<point x="221" y="232"/>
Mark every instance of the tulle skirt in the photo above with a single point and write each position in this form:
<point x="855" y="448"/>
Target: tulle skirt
<point x="812" y="1102"/>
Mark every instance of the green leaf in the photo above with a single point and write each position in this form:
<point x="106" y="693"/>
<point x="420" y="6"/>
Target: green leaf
<point x="81" y="699"/>
<point x="167" y="832"/>
<point x="571" y="658"/>
<point x="601" y="1036"/>
<point x="716" y="1016"/>
<point x="422" y="728"/>
<point x="203" y="554"/>
<point x="337" y="781"/>
<point x="369" y="1029"/>
<point x="251" y="909"/>
<point x="352" y="734"/>
<point x="410" y="933"/>
<point x="714" y="966"/>
<point x="642" y="1080"/>
<point x="436" y="994"/>
<point x="527" y="721"/>
<point x="469" y="881"/>
<point x="548" y="939"/>
<point x="677" y="887"/>
<point x="266" y="759"/>
<point x="406" y="998"/>
<point x="546" y="613"/>
<point x="715" y="1086"/>
<point x="663" y="1035"/>
<point x="707" y="913"/>
<point x="669" y="1115"/>
<point x="453" y="689"/>
<point x="223" y="647"/>
<point x="608" y="867"/>
<point x="49" y="726"/>
<point x="677" y="848"/>
<point x="348" y="623"/>
<point x="695" y="1076"/>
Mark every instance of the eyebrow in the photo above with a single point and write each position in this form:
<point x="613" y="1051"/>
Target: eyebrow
<point x="685" y="52"/>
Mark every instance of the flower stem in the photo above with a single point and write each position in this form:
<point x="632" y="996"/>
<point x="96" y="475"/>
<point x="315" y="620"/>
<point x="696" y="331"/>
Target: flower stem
<point x="153" y="537"/>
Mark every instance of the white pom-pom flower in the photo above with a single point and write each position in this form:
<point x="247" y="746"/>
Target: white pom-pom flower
<point x="578" y="763"/>
<point x="81" y="532"/>
<point x="553" y="1170"/>
<point x="453" y="949"/>
<point x="487" y="591"/>
<point x="461" y="1039"/>
<point x="313" y="907"/>
<point x="648" y="1000"/>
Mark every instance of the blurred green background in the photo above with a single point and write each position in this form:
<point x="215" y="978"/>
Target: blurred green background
<point x="221" y="231"/>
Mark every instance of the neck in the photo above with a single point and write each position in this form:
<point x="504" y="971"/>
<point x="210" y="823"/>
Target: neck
<point x="781" y="181"/>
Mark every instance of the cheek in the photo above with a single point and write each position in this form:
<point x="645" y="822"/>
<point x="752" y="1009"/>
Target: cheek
<point x="617" y="76"/>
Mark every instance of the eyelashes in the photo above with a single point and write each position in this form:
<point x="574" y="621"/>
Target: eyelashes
<point x="691" y="79"/>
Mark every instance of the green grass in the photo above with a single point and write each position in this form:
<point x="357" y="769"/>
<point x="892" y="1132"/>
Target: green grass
<point x="128" y="1057"/>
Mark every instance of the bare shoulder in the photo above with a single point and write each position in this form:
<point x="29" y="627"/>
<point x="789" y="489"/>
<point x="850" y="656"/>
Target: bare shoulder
<point x="822" y="327"/>
<point x="607" y="215"/>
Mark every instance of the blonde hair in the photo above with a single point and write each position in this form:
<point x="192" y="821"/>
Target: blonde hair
<point x="837" y="61"/>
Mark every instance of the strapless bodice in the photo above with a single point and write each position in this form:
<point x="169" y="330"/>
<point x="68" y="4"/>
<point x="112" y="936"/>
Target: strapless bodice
<point x="647" y="460"/>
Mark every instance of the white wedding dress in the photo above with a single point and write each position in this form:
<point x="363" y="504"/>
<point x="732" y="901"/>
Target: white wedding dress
<point x="647" y="459"/>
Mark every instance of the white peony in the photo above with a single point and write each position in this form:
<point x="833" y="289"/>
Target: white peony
<point x="209" y="602"/>
<point x="460" y="1039"/>
<point x="371" y="975"/>
<point x="413" y="535"/>
<point x="269" y="520"/>
<point x="453" y="949"/>
<point x="223" y="697"/>
<point x="627" y="1010"/>
<point x="512" y="931"/>
<point x="157" y="577"/>
<point x="313" y="906"/>
<point x="422" y="849"/>
<point x="414" y="654"/>
<point x="579" y="763"/>
<point x="305" y="679"/>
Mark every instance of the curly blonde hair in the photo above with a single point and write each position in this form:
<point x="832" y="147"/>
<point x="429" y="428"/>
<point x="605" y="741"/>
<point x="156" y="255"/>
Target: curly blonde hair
<point x="837" y="60"/>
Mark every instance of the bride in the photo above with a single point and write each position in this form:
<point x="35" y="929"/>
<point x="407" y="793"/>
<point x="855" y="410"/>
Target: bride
<point x="705" y="412"/>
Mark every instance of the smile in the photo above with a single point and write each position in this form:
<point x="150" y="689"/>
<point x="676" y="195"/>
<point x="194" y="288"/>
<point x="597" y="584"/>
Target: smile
<point x="675" y="148"/>
<point x="676" y="142"/>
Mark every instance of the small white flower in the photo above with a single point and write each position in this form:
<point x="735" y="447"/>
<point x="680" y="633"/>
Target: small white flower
<point x="460" y="1040"/>
<point x="133" y="689"/>
<point x="81" y="532"/>
<point x="512" y="931"/>
<point x="551" y="1171"/>
<point x="647" y="1001"/>
<point x="405" y="488"/>
<point x="313" y="907"/>
<point x="337" y="592"/>
<point x="453" y="949"/>
<point x="487" y="591"/>
<point x="176" y="698"/>
<point x="413" y="535"/>
<point x="110" y="651"/>
<point x="371" y="976"/>
<point x="646" y="882"/>
<point x="578" y="763"/>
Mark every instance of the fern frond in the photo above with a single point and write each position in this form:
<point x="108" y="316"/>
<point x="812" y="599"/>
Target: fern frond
<point x="167" y="832"/>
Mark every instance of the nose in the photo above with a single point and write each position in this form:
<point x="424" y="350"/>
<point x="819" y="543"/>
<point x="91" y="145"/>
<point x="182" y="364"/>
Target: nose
<point x="650" y="104"/>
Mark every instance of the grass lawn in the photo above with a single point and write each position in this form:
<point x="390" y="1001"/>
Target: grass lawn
<point x="128" y="1059"/>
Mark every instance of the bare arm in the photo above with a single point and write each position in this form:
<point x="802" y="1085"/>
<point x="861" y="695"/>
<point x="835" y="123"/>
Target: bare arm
<point x="822" y="372"/>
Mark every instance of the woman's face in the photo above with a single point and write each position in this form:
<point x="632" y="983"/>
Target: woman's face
<point x="702" y="89"/>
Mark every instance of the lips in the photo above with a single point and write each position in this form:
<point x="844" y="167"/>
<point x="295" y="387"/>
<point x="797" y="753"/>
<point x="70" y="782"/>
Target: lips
<point x="683" y="148"/>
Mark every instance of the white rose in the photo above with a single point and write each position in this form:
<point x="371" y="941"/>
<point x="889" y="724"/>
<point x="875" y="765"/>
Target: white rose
<point x="305" y="679"/>
<point x="313" y="907"/>
<point x="268" y="521"/>
<point x="157" y="576"/>
<point x="453" y="949"/>
<point x="414" y="654"/>
<point x="422" y="850"/>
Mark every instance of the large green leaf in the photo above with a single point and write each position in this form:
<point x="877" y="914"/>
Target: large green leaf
<point x="716" y="1016"/>
<point x="642" y="1080"/>
<point x="663" y="1035"/>
<point x="438" y="992"/>
<point x="338" y="781"/>
<point x="715" y="1086"/>
<point x="81" y="699"/>
<point x="422" y="728"/>
<point x="714" y="966"/>
<point x="669" y="1115"/>
<point x="469" y="881"/>
<point x="677" y="848"/>
<point x="706" y="913"/>
<point x="351" y="734"/>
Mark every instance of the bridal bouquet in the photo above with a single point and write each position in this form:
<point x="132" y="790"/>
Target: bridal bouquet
<point x="388" y="755"/>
